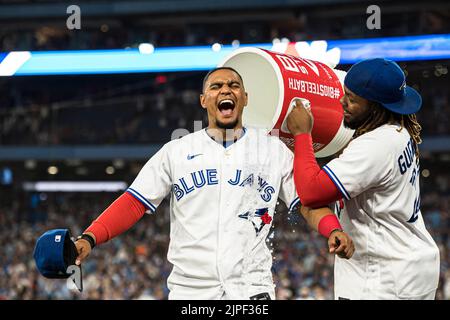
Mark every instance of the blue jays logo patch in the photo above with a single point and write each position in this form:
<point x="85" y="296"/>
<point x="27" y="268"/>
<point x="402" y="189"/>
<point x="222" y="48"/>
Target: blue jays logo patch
<point x="339" y="205"/>
<point x="259" y="218"/>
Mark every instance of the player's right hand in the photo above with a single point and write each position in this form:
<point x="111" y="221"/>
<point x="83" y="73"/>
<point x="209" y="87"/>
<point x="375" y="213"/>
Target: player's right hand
<point x="300" y="119"/>
<point x="84" y="249"/>
<point x="341" y="244"/>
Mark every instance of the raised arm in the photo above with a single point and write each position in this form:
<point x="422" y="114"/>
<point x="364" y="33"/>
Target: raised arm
<point x="314" y="186"/>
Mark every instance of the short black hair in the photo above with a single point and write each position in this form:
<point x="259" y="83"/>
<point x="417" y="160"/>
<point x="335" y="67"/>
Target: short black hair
<point x="217" y="69"/>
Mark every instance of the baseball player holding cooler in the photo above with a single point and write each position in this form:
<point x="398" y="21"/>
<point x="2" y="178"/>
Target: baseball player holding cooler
<point x="224" y="183"/>
<point x="378" y="177"/>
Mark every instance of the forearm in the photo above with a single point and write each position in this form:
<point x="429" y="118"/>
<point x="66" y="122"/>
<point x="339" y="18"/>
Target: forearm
<point x="322" y="220"/>
<point x="121" y="215"/>
<point x="314" y="187"/>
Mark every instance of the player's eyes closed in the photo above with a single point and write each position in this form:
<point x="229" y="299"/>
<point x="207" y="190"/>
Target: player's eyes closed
<point x="217" y="86"/>
<point x="348" y="98"/>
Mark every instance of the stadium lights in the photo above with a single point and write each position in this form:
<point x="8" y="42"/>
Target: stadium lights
<point x="110" y="170"/>
<point x="82" y="171"/>
<point x="104" y="28"/>
<point x="146" y="48"/>
<point x="30" y="164"/>
<point x="318" y="51"/>
<point x="118" y="163"/>
<point x="216" y="47"/>
<point x="201" y="58"/>
<point x="425" y="173"/>
<point x="75" y="186"/>
<point x="13" y="61"/>
<point x="52" y="170"/>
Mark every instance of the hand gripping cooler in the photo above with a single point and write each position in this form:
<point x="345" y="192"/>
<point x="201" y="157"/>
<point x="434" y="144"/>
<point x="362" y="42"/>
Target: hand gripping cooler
<point x="273" y="80"/>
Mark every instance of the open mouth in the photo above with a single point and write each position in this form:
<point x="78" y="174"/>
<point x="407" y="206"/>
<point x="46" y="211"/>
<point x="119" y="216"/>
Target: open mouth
<point x="226" y="107"/>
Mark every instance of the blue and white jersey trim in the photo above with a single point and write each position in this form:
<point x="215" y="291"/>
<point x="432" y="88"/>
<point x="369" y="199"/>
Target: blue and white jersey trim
<point x="142" y="199"/>
<point x="294" y="204"/>
<point x="336" y="181"/>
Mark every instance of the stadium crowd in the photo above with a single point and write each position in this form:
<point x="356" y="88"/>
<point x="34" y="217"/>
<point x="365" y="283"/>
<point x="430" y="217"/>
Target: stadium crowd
<point x="66" y="110"/>
<point x="134" y="265"/>
<point x="143" y="110"/>
<point x="295" y="24"/>
<point x="138" y="109"/>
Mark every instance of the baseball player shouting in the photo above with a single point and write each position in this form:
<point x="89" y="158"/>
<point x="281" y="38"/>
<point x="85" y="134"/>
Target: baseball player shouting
<point x="224" y="182"/>
<point x="378" y="177"/>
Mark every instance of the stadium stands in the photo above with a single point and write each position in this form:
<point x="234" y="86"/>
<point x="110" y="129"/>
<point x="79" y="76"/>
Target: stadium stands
<point x="134" y="265"/>
<point x="144" y="109"/>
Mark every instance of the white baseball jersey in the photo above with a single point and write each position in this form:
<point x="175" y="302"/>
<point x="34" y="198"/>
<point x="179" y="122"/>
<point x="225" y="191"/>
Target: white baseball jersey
<point x="222" y="203"/>
<point x="395" y="256"/>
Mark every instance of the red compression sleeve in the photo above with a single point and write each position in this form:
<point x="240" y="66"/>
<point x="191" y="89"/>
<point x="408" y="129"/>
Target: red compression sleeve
<point x="314" y="187"/>
<point x="121" y="215"/>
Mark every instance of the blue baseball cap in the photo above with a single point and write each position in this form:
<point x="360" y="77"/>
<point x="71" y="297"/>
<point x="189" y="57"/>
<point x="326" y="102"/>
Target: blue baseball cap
<point x="54" y="253"/>
<point x="383" y="81"/>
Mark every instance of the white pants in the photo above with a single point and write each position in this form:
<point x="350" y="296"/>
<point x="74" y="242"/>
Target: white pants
<point x="216" y="293"/>
<point x="427" y="296"/>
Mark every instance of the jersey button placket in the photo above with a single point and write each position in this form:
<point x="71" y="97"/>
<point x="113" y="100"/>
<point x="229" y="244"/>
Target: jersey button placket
<point x="227" y="166"/>
<point x="219" y="260"/>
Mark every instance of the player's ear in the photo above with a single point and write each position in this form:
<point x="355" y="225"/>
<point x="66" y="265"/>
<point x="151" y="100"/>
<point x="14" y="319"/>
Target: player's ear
<point x="246" y="99"/>
<point x="202" y="101"/>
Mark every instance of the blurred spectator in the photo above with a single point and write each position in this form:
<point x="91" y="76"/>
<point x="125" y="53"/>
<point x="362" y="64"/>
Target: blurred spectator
<point x="131" y="267"/>
<point x="297" y="24"/>
<point x="137" y="109"/>
<point x="148" y="108"/>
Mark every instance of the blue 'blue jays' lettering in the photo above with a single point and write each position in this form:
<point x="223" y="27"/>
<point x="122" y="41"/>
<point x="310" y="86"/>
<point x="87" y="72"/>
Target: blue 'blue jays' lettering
<point x="267" y="193"/>
<point x="247" y="181"/>
<point x="211" y="175"/>
<point x="177" y="191"/>
<point x="197" y="183"/>
<point x="185" y="187"/>
<point x="263" y="186"/>
<point x="201" y="178"/>
<point x="262" y="183"/>
<point x="236" y="179"/>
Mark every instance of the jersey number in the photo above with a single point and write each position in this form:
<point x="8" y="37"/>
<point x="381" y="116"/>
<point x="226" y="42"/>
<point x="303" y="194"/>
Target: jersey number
<point x="416" y="210"/>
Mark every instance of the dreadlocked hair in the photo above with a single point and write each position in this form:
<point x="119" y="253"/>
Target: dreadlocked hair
<point x="381" y="115"/>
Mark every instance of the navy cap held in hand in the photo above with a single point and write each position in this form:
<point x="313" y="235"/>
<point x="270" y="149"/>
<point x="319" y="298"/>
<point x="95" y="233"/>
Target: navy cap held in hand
<point x="54" y="253"/>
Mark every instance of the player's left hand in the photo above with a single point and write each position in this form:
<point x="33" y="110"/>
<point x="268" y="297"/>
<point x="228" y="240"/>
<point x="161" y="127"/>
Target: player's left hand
<point x="341" y="244"/>
<point x="300" y="119"/>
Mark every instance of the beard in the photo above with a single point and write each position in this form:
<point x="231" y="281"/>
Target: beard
<point x="363" y="116"/>
<point x="355" y="123"/>
<point x="230" y="125"/>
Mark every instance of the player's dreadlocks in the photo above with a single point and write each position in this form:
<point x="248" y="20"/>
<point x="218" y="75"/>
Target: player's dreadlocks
<point x="381" y="115"/>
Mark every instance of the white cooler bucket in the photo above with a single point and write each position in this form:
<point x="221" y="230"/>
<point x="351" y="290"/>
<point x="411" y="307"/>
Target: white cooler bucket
<point x="273" y="80"/>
